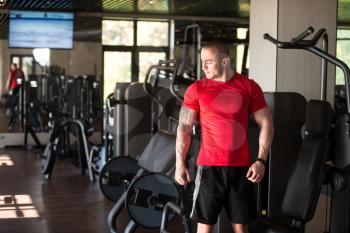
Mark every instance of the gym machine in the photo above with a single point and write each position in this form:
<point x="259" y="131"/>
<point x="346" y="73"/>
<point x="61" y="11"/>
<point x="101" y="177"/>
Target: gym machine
<point x="138" y="113"/>
<point x="145" y="192"/>
<point x="73" y="115"/>
<point x="60" y="143"/>
<point x="100" y="155"/>
<point x="145" y="185"/>
<point x="134" y="112"/>
<point x="304" y="185"/>
<point x="130" y="122"/>
<point x="31" y="109"/>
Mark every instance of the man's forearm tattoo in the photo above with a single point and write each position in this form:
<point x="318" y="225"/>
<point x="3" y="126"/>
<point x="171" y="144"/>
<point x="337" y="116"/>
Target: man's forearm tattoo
<point x="186" y="120"/>
<point x="181" y="146"/>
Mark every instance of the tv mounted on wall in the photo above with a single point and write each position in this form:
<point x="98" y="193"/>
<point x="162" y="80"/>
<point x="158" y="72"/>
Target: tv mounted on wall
<point x="34" y="29"/>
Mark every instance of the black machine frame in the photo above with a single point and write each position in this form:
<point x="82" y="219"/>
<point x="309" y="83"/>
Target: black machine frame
<point x="340" y="142"/>
<point x="299" y="42"/>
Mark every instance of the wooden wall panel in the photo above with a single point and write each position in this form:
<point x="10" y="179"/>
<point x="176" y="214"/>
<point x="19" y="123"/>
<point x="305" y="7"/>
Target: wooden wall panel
<point x="300" y="70"/>
<point x="263" y="55"/>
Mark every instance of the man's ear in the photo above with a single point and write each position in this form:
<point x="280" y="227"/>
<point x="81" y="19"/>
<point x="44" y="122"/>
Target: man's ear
<point x="225" y="62"/>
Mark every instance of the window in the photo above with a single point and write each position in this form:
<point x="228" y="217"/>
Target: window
<point x="130" y="47"/>
<point x="26" y="63"/>
<point x="117" y="68"/>
<point x="153" y="33"/>
<point x="241" y="34"/>
<point x="343" y="53"/>
<point x="146" y="59"/>
<point x="117" y="32"/>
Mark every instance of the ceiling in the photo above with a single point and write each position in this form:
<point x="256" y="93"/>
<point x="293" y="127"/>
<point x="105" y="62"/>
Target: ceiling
<point x="87" y="10"/>
<point x="228" y="8"/>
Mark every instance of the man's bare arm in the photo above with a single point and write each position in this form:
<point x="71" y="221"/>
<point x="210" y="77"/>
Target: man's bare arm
<point x="264" y="120"/>
<point x="187" y="119"/>
<point x="183" y="140"/>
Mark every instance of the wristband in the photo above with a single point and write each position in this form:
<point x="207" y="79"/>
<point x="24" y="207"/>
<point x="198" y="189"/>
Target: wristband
<point x="261" y="161"/>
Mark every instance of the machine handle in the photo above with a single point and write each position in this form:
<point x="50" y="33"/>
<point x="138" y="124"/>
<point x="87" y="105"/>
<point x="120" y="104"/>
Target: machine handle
<point x="303" y="35"/>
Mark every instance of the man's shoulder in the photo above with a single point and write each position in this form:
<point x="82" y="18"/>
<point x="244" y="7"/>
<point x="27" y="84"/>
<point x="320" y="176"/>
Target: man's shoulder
<point x="245" y="80"/>
<point x="242" y="78"/>
<point x="201" y="81"/>
<point x="198" y="83"/>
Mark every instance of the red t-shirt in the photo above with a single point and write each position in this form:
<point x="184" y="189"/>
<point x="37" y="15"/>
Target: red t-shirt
<point x="223" y="109"/>
<point x="14" y="74"/>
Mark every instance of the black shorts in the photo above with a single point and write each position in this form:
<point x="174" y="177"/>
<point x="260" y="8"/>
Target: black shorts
<point x="223" y="187"/>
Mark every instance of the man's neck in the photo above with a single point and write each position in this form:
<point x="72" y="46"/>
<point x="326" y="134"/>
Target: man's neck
<point x="226" y="76"/>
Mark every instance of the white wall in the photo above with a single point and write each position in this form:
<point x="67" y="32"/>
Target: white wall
<point x="84" y="58"/>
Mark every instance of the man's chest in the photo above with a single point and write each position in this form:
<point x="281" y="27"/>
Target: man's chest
<point x="223" y="101"/>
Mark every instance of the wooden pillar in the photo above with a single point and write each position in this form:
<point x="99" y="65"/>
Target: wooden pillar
<point x="290" y="70"/>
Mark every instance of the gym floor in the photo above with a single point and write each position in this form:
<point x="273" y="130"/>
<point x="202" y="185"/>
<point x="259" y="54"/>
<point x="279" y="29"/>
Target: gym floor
<point x="69" y="202"/>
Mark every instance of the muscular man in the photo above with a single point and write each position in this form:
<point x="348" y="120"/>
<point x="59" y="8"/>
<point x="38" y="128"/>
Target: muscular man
<point x="223" y="101"/>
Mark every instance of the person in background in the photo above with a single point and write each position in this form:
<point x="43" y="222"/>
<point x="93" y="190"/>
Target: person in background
<point x="12" y="88"/>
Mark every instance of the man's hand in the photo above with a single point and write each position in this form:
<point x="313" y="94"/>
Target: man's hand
<point x="256" y="172"/>
<point x="182" y="175"/>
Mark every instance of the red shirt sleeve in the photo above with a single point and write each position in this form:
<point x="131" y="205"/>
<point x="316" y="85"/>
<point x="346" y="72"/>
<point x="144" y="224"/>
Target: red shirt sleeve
<point x="191" y="99"/>
<point x="257" y="100"/>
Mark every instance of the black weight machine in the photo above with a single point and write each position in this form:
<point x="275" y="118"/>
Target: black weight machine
<point x="59" y="143"/>
<point x="133" y="113"/>
<point x="326" y="139"/>
<point x="32" y="110"/>
<point x="100" y="155"/>
<point x="148" y="98"/>
<point x="67" y="119"/>
<point x="145" y="185"/>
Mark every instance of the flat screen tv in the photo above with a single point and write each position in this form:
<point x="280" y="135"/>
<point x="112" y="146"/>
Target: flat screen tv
<point x="34" y="29"/>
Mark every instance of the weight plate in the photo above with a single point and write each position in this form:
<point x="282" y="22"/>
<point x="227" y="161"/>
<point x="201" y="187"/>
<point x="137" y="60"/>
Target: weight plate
<point x="147" y="196"/>
<point x="116" y="175"/>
